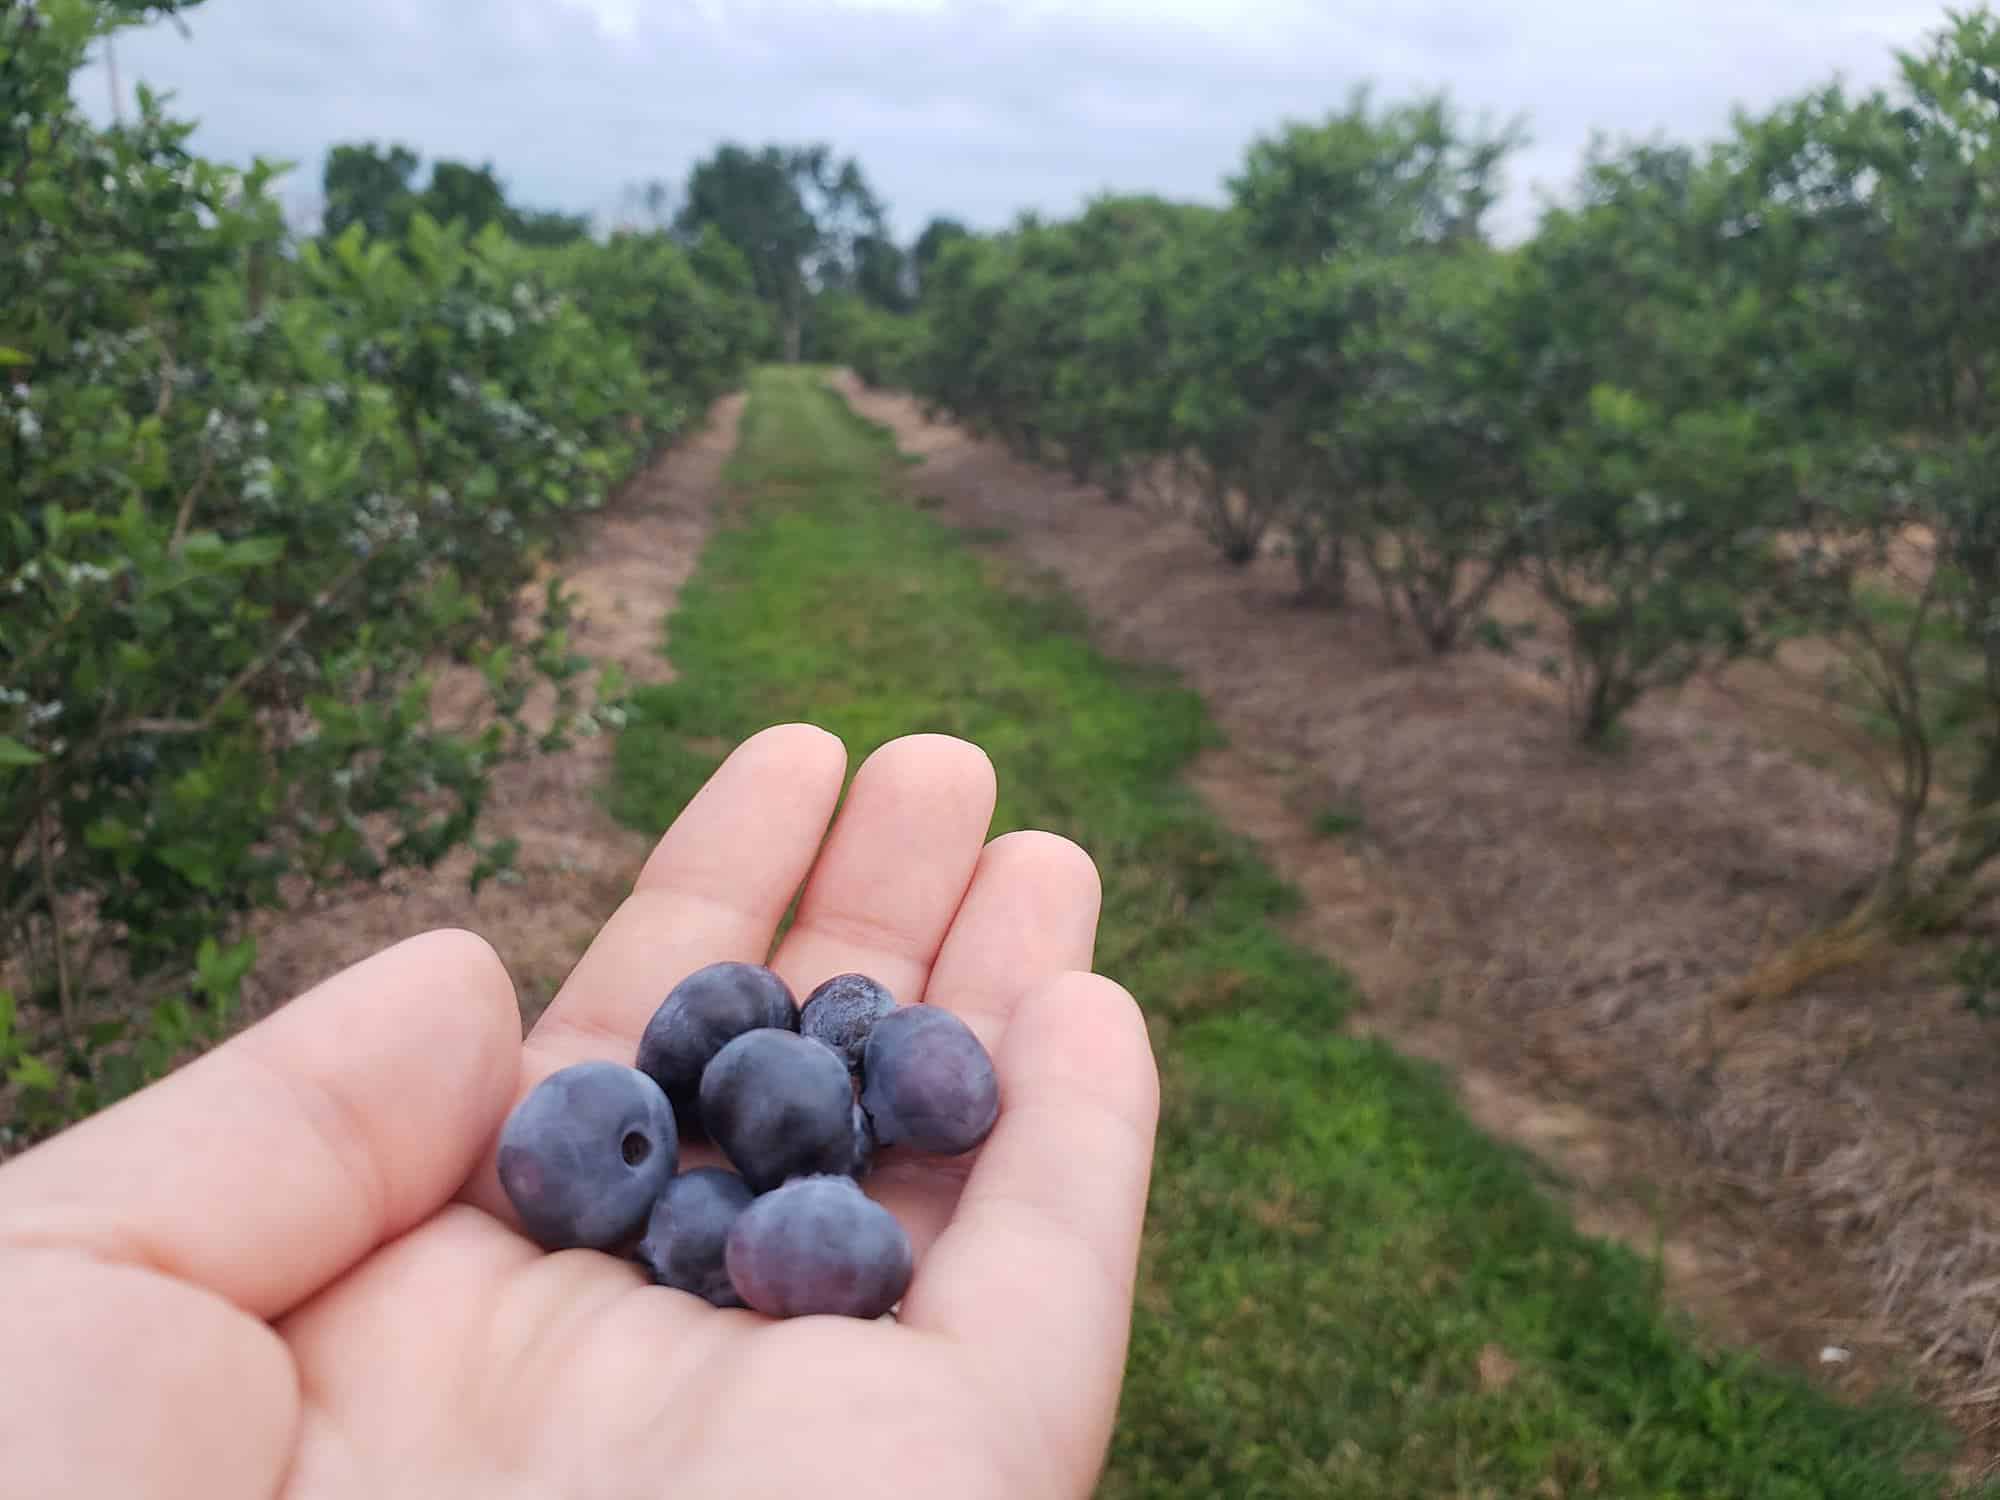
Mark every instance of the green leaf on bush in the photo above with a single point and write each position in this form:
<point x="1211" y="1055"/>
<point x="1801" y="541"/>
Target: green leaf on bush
<point x="12" y="356"/>
<point x="109" y="832"/>
<point x="254" y="552"/>
<point x="194" y="862"/>
<point x="612" y="684"/>
<point x="221" y="970"/>
<point x="31" y="1074"/>
<point x="14" y="753"/>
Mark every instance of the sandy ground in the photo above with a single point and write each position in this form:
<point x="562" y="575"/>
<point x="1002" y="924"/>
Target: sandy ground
<point x="1555" y="927"/>
<point x="575" y="863"/>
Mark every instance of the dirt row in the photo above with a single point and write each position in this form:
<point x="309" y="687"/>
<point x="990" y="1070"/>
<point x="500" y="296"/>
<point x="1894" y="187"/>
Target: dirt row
<point x="1556" y="926"/>
<point x="576" y="863"/>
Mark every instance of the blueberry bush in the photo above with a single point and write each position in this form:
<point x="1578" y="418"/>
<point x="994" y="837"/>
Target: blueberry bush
<point x="1691" y="411"/>
<point x="254" y="490"/>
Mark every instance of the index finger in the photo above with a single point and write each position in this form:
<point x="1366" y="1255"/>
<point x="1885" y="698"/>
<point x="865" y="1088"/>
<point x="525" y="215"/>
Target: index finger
<point x="715" y="888"/>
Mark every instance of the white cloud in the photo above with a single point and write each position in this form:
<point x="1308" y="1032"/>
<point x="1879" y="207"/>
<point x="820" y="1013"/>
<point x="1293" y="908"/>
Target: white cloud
<point x="976" y="108"/>
<point x="617" y="18"/>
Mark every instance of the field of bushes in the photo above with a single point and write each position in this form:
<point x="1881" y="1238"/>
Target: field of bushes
<point x="264" y="485"/>
<point x="1722" y="397"/>
<point x="258" y="490"/>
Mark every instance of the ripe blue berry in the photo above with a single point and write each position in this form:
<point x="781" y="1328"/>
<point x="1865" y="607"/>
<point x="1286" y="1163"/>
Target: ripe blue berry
<point x="819" y="1245"/>
<point x="863" y="1158"/>
<point x="700" y="1016"/>
<point x="689" y="1228"/>
<point x="841" y="1011"/>
<point x="779" y="1105"/>
<point x="586" y="1153"/>
<point x="927" y="1082"/>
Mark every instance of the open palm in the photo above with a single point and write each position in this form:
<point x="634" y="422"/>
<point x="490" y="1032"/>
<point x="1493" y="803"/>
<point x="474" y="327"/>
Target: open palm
<point x="289" y="1269"/>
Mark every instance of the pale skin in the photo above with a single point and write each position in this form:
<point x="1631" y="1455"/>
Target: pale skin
<point x="288" y="1269"/>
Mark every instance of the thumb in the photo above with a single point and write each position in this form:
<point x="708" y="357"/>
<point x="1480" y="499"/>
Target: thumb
<point x="264" y="1169"/>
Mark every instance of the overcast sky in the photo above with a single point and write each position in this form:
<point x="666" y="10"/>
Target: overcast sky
<point x="967" y="107"/>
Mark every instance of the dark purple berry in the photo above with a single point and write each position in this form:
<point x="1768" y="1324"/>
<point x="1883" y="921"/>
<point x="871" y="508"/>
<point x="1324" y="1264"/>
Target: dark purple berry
<point x="689" y="1228"/>
<point x="819" y="1245"/>
<point x="864" y="1143"/>
<point x="700" y="1016"/>
<point x="840" y="1013"/>
<point x="586" y="1153"/>
<point x="779" y="1105"/>
<point x="927" y="1083"/>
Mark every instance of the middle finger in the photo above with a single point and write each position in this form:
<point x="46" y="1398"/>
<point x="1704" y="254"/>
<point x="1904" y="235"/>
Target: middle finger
<point x="885" y="889"/>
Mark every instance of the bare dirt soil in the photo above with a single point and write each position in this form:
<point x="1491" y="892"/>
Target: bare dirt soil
<point x="575" y="862"/>
<point x="1555" y="927"/>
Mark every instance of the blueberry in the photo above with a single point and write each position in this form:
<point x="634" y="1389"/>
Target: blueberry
<point x="688" y="1230"/>
<point x="863" y="1157"/>
<point x="819" y="1245"/>
<point x="779" y="1105"/>
<point x="927" y="1083"/>
<point x="700" y="1016"/>
<point x="586" y="1153"/>
<point x="841" y="1011"/>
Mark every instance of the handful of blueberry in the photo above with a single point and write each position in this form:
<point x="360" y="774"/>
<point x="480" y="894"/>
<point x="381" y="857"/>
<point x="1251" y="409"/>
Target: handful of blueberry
<point x="798" y="1100"/>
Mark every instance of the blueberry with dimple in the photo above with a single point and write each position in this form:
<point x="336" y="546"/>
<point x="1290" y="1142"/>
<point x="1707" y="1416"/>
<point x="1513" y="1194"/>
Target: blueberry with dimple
<point x="690" y="1226"/>
<point x="700" y="1016"/>
<point x="779" y="1105"/>
<point x="841" y="1013"/>
<point x="819" y="1245"/>
<point x="586" y="1153"/>
<point x="928" y="1083"/>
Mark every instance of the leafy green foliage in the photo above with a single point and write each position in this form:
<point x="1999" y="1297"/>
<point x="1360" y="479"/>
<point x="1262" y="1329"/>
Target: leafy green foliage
<point x="370" y="186"/>
<point x="1434" y="439"/>
<point x="1630" y="548"/>
<point x="877" y="345"/>
<point x="255" y="492"/>
<point x="1895" y="196"/>
<point x="1227" y="346"/>
<point x="930" y="244"/>
<point x="374" y="187"/>
<point x="692" y="313"/>
<point x="1367" y="180"/>
<point x="1059" y="334"/>
<point x="804" y="221"/>
<point x="1706" y="401"/>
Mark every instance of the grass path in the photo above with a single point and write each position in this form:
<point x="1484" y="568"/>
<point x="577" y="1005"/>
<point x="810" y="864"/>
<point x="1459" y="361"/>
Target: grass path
<point x="1347" y="1290"/>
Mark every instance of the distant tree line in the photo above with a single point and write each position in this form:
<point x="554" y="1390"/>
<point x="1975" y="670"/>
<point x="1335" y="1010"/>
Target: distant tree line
<point x="375" y="187"/>
<point x="811" y="229"/>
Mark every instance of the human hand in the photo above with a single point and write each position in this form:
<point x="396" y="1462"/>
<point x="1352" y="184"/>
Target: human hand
<point x="289" y="1269"/>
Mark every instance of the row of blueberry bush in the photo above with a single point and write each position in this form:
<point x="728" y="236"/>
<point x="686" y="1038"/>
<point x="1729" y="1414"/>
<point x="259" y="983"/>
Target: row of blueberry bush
<point x="1706" y="405"/>
<point x="255" y="489"/>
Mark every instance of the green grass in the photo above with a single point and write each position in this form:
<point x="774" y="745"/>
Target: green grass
<point x="1331" y="1246"/>
<point x="1338" y="820"/>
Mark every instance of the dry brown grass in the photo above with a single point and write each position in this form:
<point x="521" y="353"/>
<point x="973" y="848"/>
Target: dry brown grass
<point x="1850" y="945"/>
